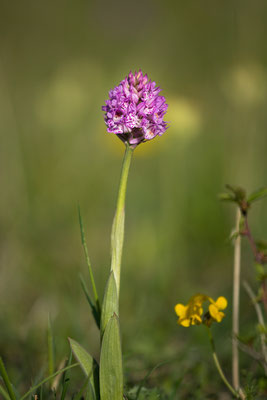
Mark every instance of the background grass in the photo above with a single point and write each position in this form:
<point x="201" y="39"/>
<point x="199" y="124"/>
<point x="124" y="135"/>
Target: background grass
<point x="57" y="62"/>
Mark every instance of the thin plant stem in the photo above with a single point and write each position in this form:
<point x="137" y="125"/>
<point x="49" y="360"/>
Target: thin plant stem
<point x="256" y="253"/>
<point x="34" y="388"/>
<point x="50" y="346"/>
<point x="80" y="393"/>
<point x="56" y="381"/>
<point x="218" y="366"/>
<point x="88" y="262"/>
<point x="6" y="380"/>
<point x="147" y="376"/>
<point x="65" y="379"/>
<point x="259" y="258"/>
<point x="4" y="393"/>
<point x="95" y="309"/>
<point x="261" y="322"/>
<point x="236" y="294"/>
<point x="117" y="235"/>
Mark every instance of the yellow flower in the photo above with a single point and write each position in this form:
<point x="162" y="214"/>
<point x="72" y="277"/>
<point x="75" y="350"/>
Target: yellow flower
<point x="216" y="306"/>
<point x="191" y="314"/>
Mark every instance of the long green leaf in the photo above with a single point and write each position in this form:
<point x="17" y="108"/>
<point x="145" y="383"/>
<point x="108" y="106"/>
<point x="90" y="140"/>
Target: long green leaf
<point x="111" y="375"/>
<point x="95" y="312"/>
<point x="257" y="195"/>
<point x="65" y="380"/>
<point x="34" y="388"/>
<point x="6" y="380"/>
<point x="227" y="197"/>
<point x="4" y="393"/>
<point x="81" y="391"/>
<point x="85" y="360"/>
<point x="50" y="346"/>
<point x="87" y="363"/>
<point x="90" y="394"/>
<point x="88" y="261"/>
<point x="110" y="303"/>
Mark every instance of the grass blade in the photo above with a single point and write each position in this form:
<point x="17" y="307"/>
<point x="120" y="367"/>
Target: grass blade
<point x="88" y="261"/>
<point x="34" y="388"/>
<point x="147" y="376"/>
<point x="6" y="380"/>
<point x="4" y="393"/>
<point x="95" y="312"/>
<point x="90" y="394"/>
<point x="50" y="346"/>
<point x="65" y="379"/>
<point x="80" y="393"/>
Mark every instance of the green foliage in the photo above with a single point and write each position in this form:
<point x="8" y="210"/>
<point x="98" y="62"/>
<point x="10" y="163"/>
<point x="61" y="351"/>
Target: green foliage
<point x="4" y="393"/>
<point x="261" y="245"/>
<point x="51" y="349"/>
<point x="254" y="390"/>
<point x="85" y="360"/>
<point x="65" y="379"/>
<point x="110" y="302"/>
<point x="54" y="150"/>
<point x="261" y="272"/>
<point x="262" y="329"/>
<point x="88" y="365"/>
<point x="111" y="374"/>
<point x="40" y="384"/>
<point x="145" y="394"/>
<point x="257" y="195"/>
<point x="142" y="383"/>
<point x="6" y="380"/>
<point x="90" y="393"/>
<point x="94" y="310"/>
<point x="239" y="196"/>
<point x="79" y="395"/>
<point x="96" y="307"/>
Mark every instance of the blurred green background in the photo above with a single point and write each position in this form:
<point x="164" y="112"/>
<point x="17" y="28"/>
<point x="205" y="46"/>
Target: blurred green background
<point x="58" y="60"/>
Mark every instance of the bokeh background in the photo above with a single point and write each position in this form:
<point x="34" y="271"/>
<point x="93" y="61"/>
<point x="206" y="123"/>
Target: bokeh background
<point x="58" y="60"/>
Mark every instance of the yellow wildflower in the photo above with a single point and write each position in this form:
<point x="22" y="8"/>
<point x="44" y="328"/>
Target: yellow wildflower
<point x="216" y="306"/>
<point x="191" y="314"/>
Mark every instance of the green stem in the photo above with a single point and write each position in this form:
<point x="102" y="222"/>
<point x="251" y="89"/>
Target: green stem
<point x="34" y="388"/>
<point x="50" y="346"/>
<point x="117" y="235"/>
<point x="218" y="366"/>
<point x="236" y="291"/>
<point x="258" y="310"/>
<point x="4" y="393"/>
<point x="88" y="262"/>
<point x="6" y="380"/>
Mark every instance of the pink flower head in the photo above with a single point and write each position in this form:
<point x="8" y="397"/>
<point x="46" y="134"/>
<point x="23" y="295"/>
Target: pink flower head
<point x="135" y="110"/>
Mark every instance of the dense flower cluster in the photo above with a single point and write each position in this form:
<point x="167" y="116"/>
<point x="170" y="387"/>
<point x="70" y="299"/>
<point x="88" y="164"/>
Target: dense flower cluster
<point x="192" y="313"/>
<point x="134" y="110"/>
